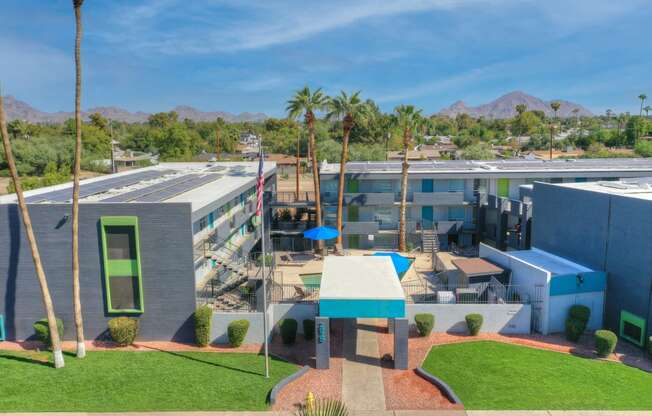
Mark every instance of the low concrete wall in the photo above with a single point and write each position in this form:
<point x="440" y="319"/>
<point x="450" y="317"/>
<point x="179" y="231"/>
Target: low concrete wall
<point x="297" y="311"/>
<point x="221" y="322"/>
<point x="505" y="319"/>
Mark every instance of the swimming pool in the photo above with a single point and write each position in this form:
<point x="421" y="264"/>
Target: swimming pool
<point x="311" y="280"/>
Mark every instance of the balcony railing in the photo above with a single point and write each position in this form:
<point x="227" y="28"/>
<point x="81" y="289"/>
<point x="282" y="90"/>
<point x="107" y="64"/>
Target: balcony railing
<point x="360" y="227"/>
<point x="438" y="198"/>
<point x="490" y="292"/>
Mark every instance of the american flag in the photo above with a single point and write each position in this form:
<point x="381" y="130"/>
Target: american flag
<point x="260" y="185"/>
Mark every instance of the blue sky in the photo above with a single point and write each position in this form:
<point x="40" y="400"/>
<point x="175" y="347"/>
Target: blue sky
<point x="243" y="55"/>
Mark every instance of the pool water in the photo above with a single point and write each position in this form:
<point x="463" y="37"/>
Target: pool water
<point x="311" y="280"/>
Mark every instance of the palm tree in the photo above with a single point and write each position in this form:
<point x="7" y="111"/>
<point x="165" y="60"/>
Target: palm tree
<point x="348" y="109"/>
<point x="31" y="239"/>
<point x="647" y="110"/>
<point x="408" y="119"/>
<point x="642" y="97"/>
<point x="308" y="102"/>
<point x="76" y="298"/>
<point x="555" y="107"/>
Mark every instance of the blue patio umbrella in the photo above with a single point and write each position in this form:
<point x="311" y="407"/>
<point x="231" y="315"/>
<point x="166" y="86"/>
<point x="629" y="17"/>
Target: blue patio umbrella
<point x="321" y="233"/>
<point x="401" y="264"/>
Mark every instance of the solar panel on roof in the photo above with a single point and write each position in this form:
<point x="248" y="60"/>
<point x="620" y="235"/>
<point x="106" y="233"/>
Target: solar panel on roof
<point x="64" y="195"/>
<point x="137" y="193"/>
<point x="178" y="189"/>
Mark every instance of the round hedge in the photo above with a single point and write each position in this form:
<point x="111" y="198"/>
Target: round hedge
<point x="605" y="342"/>
<point x="203" y="317"/>
<point x="123" y="330"/>
<point x="288" y="331"/>
<point x="309" y="329"/>
<point x="42" y="330"/>
<point x="580" y="312"/>
<point x="574" y="329"/>
<point x="474" y="323"/>
<point x="425" y="322"/>
<point x="237" y="331"/>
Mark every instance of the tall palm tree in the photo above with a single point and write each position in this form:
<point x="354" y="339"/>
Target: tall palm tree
<point x="298" y="167"/>
<point x="555" y="107"/>
<point x="349" y="109"/>
<point x="31" y="239"/>
<point x="408" y="119"/>
<point x="642" y="97"/>
<point x="647" y="110"/>
<point x="308" y="102"/>
<point x="76" y="298"/>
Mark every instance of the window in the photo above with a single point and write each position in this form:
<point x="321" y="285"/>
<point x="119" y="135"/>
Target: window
<point x="456" y="214"/>
<point x="456" y="185"/>
<point x="122" y="272"/>
<point x="203" y="223"/>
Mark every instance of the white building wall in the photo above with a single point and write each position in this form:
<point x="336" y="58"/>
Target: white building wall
<point x="504" y="319"/>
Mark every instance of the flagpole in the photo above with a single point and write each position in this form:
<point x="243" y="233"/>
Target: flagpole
<point x="263" y="268"/>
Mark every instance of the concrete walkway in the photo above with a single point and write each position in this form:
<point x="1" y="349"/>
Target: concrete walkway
<point x="362" y="377"/>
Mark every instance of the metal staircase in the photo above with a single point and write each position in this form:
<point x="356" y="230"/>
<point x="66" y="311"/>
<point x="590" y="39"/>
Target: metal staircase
<point x="430" y="244"/>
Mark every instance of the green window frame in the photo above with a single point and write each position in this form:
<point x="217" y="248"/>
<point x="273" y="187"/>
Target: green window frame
<point x="121" y="268"/>
<point x="628" y="318"/>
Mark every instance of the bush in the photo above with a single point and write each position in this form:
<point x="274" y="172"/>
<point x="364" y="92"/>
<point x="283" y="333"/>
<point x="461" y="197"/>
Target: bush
<point x="308" y="329"/>
<point x="237" y="331"/>
<point x="474" y="323"/>
<point x="425" y="322"/>
<point x="288" y="331"/>
<point x="578" y="318"/>
<point x="605" y="342"/>
<point x="203" y="317"/>
<point x="123" y="330"/>
<point x="580" y="312"/>
<point x="42" y="330"/>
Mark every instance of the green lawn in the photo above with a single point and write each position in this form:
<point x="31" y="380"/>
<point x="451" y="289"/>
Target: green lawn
<point x="494" y="376"/>
<point x="112" y="381"/>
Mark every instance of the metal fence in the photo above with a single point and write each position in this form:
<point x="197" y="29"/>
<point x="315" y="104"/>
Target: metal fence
<point x="491" y="292"/>
<point x="289" y="293"/>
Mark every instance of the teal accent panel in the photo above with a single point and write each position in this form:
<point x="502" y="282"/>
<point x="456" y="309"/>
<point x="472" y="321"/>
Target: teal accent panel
<point x="2" y="328"/>
<point x="581" y="179"/>
<point x="427" y="217"/>
<point x="211" y="221"/>
<point x="569" y="284"/>
<point x="427" y="185"/>
<point x="362" y="308"/>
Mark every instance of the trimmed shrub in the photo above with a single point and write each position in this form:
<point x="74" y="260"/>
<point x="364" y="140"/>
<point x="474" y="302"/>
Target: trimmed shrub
<point x="425" y="322"/>
<point x="288" y="331"/>
<point x="123" y="330"/>
<point x="578" y="318"/>
<point x="237" y="331"/>
<point x="203" y="317"/>
<point x="580" y="312"/>
<point x="474" y="323"/>
<point x="42" y="330"/>
<point x="605" y="342"/>
<point x="309" y="329"/>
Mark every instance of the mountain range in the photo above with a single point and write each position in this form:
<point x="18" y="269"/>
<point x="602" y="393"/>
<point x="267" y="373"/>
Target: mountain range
<point x="16" y="109"/>
<point x="505" y="107"/>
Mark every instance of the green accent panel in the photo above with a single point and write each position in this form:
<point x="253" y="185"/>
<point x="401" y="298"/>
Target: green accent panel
<point x="628" y="318"/>
<point x="352" y="185"/>
<point x="2" y="328"/>
<point x="503" y="188"/>
<point x="353" y="212"/>
<point x="119" y="268"/>
<point x="123" y="268"/>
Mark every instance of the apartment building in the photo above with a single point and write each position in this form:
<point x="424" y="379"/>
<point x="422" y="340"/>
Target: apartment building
<point x="149" y="240"/>
<point x="607" y="226"/>
<point x="462" y="202"/>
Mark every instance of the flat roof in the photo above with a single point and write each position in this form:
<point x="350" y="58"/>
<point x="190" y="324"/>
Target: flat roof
<point x="499" y="166"/>
<point x="476" y="267"/>
<point x="640" y="188"/>
<point x="547" y="261"/>
<point x="360" y="277"/>
<point x="197" y="183"/>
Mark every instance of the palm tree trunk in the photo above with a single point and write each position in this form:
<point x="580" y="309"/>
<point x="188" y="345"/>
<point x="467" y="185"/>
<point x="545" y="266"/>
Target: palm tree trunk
<point x="217" y="144"/>
<point x="315" y="172"/>
<point x="298" y="173"/>
<point x="31" y="239"/>
<point x="340" y="186"/>
<point x="402" y="232"/>
<point x="76" y="298"/>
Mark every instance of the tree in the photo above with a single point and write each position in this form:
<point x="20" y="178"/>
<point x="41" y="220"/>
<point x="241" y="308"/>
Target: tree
<point x="31" y="239"/>
<point x="520" y="108"/>
<point x="647" y="110"/>
<point x="479" y="151"/>
<point x="555" y="107"/>
<point x="308" y="102"/>
<point x="76" y="298"/>
<point x="99" y="121"/>
<point x="408" y="119"/>
<point x="349" y="109"/>
<point x="642" y="97"/>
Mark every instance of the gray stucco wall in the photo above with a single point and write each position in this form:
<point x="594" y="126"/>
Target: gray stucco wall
<point x="605" y="232"/>
<point x="166" y="261"/>
<point x="504" y="319"/>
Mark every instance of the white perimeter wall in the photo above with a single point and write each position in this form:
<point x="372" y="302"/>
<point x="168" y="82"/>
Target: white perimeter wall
<point x="529" y="279"/>
<point x="504" y="319"/>
<point x="559" y="306"/>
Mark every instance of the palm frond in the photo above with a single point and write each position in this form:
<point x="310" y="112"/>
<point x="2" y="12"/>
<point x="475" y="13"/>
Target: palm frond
<point x="325" y="408"/>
